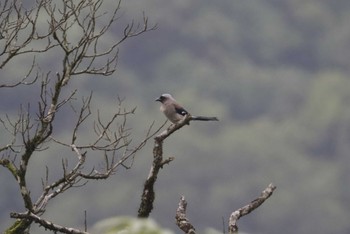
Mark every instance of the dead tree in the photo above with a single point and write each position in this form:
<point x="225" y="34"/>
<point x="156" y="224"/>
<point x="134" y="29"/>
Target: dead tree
<point x="148" y="195"/>
<point x="74" y="31"/>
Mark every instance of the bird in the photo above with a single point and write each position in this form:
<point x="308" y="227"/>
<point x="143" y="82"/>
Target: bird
<point x="175" y="112"/>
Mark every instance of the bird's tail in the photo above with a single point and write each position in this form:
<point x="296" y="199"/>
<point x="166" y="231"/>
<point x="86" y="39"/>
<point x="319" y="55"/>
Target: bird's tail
<point x="204" y="118"/>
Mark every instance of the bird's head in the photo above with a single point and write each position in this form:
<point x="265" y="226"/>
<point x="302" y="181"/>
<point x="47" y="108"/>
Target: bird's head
<point x="164" y="97"/>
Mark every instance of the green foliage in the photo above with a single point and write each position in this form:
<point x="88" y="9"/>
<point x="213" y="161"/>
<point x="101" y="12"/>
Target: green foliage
<point x="128" y="225"/>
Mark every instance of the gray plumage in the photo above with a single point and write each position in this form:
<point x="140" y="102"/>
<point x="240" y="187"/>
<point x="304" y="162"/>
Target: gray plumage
<point x="175" y="112"/>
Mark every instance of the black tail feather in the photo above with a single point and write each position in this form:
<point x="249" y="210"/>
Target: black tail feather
<point x="204" y="118"/>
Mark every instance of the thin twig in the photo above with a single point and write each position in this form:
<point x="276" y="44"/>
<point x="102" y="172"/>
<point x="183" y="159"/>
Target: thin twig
<point x="46" y="224"/>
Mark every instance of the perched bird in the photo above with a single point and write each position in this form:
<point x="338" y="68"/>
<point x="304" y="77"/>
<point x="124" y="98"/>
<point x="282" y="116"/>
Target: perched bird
<point x="175" y="112"/>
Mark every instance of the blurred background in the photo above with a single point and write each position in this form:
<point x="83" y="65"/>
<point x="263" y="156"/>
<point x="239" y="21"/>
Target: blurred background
<point x="276" y="74"/>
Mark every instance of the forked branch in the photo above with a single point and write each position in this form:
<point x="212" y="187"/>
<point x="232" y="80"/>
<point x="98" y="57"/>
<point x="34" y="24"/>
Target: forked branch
<point x="148" y="194"/>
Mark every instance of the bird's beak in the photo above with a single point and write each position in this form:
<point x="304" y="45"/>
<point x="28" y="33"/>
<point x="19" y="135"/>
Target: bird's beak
<point x="157" y="100"/>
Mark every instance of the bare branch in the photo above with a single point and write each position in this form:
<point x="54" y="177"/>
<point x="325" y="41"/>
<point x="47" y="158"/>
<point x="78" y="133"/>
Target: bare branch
<point x="173" y="128"/>
<point x="148" y="194"/>
<point x="46" y="224"/>
<point x="236" y="215"/>
<point x="181" y="220"/>
<point x="76" y="176"/>
<point x="19" y="29"/>
<point x="72" y="29"/>
<point x="24" y="80"/>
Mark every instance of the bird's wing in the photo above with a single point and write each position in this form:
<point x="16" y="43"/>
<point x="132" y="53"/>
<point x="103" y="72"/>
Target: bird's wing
<point x="180" y="110"/>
